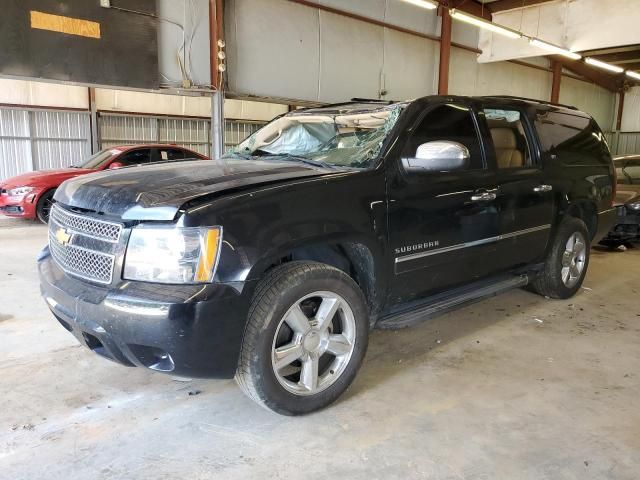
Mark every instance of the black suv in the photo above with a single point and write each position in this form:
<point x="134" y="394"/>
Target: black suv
<point x="273" y="264"/>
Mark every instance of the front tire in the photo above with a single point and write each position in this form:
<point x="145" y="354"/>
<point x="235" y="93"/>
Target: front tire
<point x="306" y="337"/>
<point x="567" y="262"/>
<point x="43" y="207"/>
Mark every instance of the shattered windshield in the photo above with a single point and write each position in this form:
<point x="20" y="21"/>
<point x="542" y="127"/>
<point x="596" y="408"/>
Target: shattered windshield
<point x="351" y="139"/>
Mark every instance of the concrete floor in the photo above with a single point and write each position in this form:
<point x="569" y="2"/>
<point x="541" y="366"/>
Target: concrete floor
<point x="516" y="387"/>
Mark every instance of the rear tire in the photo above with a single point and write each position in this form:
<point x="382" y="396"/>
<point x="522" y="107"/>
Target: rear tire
<point x="306" y="337"/>
<point x="567" y="262"/>
<point x="43" y="207"/>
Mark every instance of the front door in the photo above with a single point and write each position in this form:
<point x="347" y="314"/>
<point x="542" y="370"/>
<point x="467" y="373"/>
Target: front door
<point x="442" y="225"/>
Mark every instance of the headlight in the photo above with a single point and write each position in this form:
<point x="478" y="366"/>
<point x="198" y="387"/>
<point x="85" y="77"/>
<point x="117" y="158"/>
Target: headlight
<point x="20" y="191"/>
<point x="634" y="206"/>
<point x="172" y="255"/>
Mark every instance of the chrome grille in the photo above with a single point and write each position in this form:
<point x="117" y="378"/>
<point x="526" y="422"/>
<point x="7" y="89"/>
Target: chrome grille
<point x="83" y="246"/>
<point x="81" y="262"/>
<point x="87" y="226"/>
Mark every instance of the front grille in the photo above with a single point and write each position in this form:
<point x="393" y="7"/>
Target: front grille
<point x="87" y="226"/>
<point x="81" y="262"/>
<point x="83" y="246"/>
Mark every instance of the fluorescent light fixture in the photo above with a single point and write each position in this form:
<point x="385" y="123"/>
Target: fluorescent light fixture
<point x="423" y="3"/>
<point x="482" y="23"/>
<point x="631" y="74"/>
<point x="603" y="65"/>
<point x="555" y="49"/>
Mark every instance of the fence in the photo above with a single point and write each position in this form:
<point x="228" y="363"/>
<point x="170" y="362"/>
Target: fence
<point x="33" y="139"/>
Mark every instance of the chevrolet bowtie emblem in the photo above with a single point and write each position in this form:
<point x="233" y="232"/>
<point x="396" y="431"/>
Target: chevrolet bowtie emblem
<point x="63" y="237"/>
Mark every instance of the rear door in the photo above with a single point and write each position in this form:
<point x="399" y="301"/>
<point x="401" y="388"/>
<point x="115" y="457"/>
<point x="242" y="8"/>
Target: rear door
<point x="442" y="225"/>
<point x="526" y="195"/>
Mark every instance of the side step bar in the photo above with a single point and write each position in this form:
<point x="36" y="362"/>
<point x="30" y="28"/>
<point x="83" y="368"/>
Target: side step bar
<point x="444" y="302"/>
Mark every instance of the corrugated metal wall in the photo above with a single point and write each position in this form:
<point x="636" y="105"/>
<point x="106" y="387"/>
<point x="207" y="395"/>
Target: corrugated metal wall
<point x="276" y="48"/>
<point x="625" y="143"/>
<point x="15" y="142"/>
<point x="59" y="139"/>
<point x="127" y="129"/>
<point x="236" y="131"/>
<point x="628" y="140"/>
<point x="468" y="77"/>
<point x="41" y="139"/>
<point x="193" y="134"/>
<point x="116" y="129"/>
<point x="590" y="98"/>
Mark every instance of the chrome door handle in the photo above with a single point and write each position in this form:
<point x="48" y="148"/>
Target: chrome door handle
<point x="543" y="188"/>
<point x="483" y="197"/>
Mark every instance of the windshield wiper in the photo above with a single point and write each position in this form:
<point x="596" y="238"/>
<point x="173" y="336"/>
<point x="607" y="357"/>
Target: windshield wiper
<point x="305" y="160"/>
<point x="259" y="154"/>
<point x="244" y="156"/>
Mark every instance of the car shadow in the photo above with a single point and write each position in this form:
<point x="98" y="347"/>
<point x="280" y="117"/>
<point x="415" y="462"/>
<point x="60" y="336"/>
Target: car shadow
<point x="393" y="351"/>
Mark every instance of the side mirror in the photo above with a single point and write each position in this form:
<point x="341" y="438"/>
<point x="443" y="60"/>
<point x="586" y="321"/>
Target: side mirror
<point x="115" y="165"/>
<point x="438" y="156"/>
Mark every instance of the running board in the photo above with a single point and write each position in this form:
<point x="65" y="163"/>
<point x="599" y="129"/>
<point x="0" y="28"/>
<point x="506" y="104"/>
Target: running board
<point x="444" y="302"/>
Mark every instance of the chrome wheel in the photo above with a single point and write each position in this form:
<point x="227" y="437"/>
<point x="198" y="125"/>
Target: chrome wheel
<point x="313" y="343"/>
<point x="573" y="259"/>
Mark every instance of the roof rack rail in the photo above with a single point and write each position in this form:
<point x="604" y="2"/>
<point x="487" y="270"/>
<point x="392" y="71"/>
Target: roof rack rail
<point x="535" y="100"/>
<point x="371" y="100"/>
<point x="350" y="102"/>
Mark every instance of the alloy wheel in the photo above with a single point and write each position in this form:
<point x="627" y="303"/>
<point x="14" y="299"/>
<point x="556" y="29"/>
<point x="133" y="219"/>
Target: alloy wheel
<point x="313" y="343"/>
<point x="573" y="259"/>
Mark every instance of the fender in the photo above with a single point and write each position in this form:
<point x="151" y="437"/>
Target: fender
<point x="263" y="226"/>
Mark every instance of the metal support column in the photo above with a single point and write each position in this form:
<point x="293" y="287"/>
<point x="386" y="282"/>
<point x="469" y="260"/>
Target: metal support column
<point x="615" y="147"/>
<point x="620" y="110"/>
<point x="445" y="52"/>
<point x="556" y="68"/>
<point x="32" y="138"/>
<point x="218" y="67"/>
<point x="217" y="124"/>
<point x="93" y="120"/>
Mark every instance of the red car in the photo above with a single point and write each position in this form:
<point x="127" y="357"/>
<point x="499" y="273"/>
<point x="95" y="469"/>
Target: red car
<point x="30" y="195"/>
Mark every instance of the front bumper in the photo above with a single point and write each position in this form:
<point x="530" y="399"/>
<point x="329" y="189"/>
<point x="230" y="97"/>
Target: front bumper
<point x="24" y="207"/>
<point x="625" y="227"/>
<point x="185" y="330"/>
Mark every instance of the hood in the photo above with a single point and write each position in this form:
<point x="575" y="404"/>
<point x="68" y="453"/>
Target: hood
<point x="157" y="192"/>
<point x="49" y="178"/>
<point x="627" y="194"/>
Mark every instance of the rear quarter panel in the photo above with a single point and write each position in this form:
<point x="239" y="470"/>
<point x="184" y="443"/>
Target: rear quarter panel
<point x="576" y="159"/>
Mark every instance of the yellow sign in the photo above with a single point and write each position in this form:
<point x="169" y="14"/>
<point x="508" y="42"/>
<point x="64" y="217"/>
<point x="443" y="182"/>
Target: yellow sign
<point x="63" y="237"/>
<point x="68" y="25"/>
